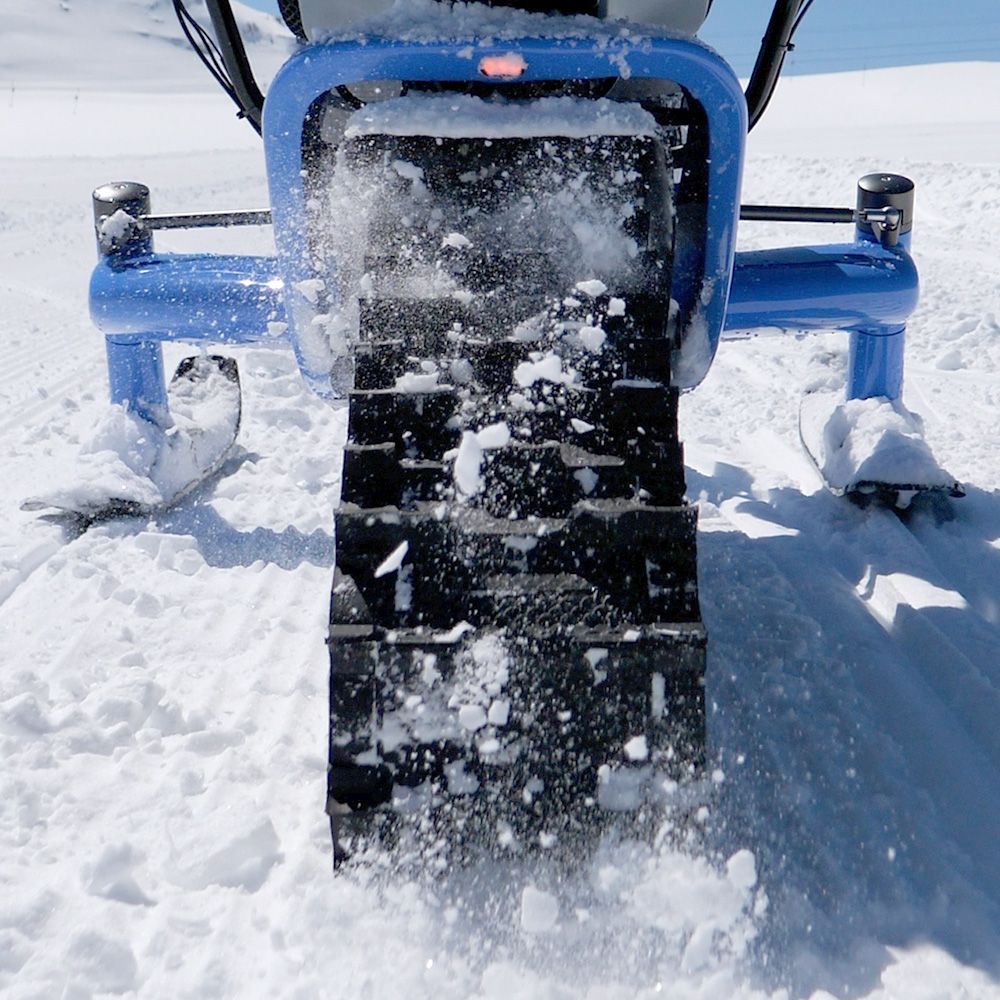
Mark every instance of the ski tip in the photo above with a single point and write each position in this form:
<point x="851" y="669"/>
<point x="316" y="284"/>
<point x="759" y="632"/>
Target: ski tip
<point x="200" y="366"/>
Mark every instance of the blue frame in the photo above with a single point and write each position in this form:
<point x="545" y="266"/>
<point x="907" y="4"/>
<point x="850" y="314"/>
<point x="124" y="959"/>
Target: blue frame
<point x="862" y="287"/>
<point x="312" y="71"/>
<point x="141" y="299"/>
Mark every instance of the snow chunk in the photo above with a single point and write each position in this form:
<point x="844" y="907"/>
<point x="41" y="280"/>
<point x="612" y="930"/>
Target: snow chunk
<point x="456" y="240"/>
<point x="636" y="748"/>
<point x="587" y="479"/>
<point x="741" y="869"/>
<point x="460" y="782"/>
<point x="950" y="361"/>
<point x="416" y="382"/>
<point x="115" y="228"/>
<point x="595" y="657"/>
<point x="494" y="436"/>
<point x="593" y="287"/>
<point x="547" y="369"/>
<point x="241" y="859"/>
<point x="592" y="337"/>
<point x="469" y="457"/>
<point x="310" y="289"/>
<point x="455" y="633"/>
<point x="467" y="464"/>
<point x="499" y="713"/>
<point x="658" y="695"/>
<point x="460" y="116"/>
<point x="408" y="171"/>
<point x="698" y="950"/>
<point x="461" y="371"/>
<point x="581" y="426"/>
<point x="616" y="307"/>
<point x="393" y="561"/>
<point x="472" y="717"/>
<point x="539" y="911"/>
<point x="112" y="876"/>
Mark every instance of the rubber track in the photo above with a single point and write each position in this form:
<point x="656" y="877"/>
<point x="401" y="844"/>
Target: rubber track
<point x="579" y="553"/>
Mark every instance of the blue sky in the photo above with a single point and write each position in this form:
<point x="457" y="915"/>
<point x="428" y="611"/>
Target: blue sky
<point x="852" y="34"/>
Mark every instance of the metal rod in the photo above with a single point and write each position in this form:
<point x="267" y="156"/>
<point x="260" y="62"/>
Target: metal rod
<point x="814" y="213"/>
<point x="205" y="220"/>
<point x="795" y="213"/>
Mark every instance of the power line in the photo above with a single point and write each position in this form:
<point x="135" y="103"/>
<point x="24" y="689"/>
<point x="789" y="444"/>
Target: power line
<point x="811" y="27"/>
<point x="988" y="49"/>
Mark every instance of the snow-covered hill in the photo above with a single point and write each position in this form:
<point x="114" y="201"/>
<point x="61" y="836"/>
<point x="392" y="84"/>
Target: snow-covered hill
<point x="97" y="77"/>
<point x="945" y="111"/>
<point x="119" y="45"/>
<point x="162" y="684"/>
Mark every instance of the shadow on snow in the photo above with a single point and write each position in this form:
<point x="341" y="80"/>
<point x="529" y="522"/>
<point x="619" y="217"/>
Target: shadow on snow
<point x="861" y="750"/>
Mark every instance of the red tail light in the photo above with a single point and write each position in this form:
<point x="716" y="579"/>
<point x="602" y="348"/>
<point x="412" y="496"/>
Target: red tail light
<point x="508" y="66"/>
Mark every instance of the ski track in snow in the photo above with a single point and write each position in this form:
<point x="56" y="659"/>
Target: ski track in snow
<point x="163" y="702"/>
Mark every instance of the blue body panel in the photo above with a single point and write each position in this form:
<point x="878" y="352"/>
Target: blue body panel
<point x="314" y="70"/>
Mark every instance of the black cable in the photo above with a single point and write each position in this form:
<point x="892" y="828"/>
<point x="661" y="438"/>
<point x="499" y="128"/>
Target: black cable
<point x="211" y="57"/>
<point x="798" y="20"/>
<point x="203" y="46"/>
<point x="776" y="44"/>
<point x="292" y="17"/>
<point x="208" y="51"/>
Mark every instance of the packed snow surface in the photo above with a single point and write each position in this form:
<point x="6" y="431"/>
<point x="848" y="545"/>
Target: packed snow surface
<point x="484" y="27"/>
<point x="464" y="117"/>
<point x="163" y="692"/>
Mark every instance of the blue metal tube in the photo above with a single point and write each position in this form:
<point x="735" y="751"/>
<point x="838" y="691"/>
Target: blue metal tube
<point x="862" y="287"/>
<point x="191" y="297"/>
<point x="139" y="299"/>
<point x="849" y="286"/>
<point x="875" y="362"/>
<point x="875" y="355"/>
<point x="135" y="374"/>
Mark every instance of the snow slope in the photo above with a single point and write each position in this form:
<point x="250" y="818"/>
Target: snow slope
<point x="162" y="690"/>
<point x="109" y="77"/>
<point x="120" y="45"/>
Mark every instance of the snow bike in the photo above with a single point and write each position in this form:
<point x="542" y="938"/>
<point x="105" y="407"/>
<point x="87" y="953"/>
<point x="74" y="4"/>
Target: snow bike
<point x="508" y="236"/>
